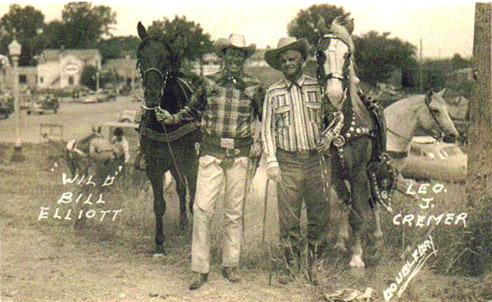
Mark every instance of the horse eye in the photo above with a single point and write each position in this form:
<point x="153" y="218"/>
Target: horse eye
<point x="435" y="111"/>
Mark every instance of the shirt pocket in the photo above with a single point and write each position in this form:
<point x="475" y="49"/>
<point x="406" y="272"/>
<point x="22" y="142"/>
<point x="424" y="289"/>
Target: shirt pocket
<point x="283" y="116"/>
<point x="315" y="113"/>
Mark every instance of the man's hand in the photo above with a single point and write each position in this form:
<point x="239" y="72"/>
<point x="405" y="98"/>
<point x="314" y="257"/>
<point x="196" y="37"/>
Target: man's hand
<point x="255" y="150"/>
<point x="274" y="174"/>
<point x="165" y="117"/>
<point x="325" y="142"/>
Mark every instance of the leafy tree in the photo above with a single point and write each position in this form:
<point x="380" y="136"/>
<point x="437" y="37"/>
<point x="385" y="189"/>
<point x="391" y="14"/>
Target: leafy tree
<point x="304" y="25"/>
<point x="24" y="24"/>
<point x="377" y="55"/>
<point x="84" y="25"/>
<point x="185" y="38"/>
<point x="115" y="47"/>
<point x="88" y="77"/>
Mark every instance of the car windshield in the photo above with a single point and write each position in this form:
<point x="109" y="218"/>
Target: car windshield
<point x="451" y="150"/>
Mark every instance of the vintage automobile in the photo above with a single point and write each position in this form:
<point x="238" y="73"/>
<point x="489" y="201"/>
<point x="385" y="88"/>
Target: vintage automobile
<point x="42" y="105"/>
<point x="429" y="159"/>
<point x="127" y="116"/>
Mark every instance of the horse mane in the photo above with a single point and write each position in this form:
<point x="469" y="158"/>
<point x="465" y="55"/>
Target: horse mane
<point x="338" y="29"/>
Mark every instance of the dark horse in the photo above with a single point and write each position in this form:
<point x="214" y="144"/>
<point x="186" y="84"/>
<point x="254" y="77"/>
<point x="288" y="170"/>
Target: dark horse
<point x="169" y="148"/>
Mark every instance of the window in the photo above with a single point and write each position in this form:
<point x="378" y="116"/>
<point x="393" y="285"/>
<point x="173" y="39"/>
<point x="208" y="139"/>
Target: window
<point x="41" y="79"/>
<point x="22" y="79"/>
<point x="70" y="80"/>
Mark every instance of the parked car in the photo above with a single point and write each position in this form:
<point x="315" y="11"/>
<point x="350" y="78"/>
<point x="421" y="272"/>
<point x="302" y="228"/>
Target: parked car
<point x="42" y="105"/>
<point x="127" y="116"/>
<point x="429" y="159"/>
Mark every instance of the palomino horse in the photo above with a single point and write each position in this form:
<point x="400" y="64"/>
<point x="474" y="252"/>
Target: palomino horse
<point x="85" y="155"/>
<point x="360" y="138"/>
<point x="416" y="116"/>
<point x="353" y="148"/>
<point x="169" y="147"/>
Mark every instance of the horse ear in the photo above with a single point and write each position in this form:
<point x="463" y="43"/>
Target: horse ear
<point x="321" y="25"/>
<point x="441" y="93"/>
<point x="428" y="96"/>
<point x="93" y="129"/>
<point x="350" y="25"/>
<point x="99" y="129"/>
<point x="142" y="33"/>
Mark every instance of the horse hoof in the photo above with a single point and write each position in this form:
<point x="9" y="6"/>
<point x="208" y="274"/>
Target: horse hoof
<point x="159" y="250"/>
<point x="357" y="262"/>
<point x="340" y="247"/>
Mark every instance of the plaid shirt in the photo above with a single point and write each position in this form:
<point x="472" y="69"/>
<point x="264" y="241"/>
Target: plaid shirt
<point x="227" y="105"/>
<point x="293" y="117"/>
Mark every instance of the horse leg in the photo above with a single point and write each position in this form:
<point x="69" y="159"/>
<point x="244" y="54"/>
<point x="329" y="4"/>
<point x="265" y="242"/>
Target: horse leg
<point x="155" y="175"/>
<point x="378" y="234"/>
<point x="343" y="201"/>
<point x="181" y="190"/>
<point x="360" y="195"/>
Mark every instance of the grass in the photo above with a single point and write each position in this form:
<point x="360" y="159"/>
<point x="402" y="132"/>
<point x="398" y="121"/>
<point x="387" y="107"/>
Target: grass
<point x="462" y="251"/>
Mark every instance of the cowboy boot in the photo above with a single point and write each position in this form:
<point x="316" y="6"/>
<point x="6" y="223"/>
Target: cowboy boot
<point x="198" y="280"/>
<point x="231" y="274"/>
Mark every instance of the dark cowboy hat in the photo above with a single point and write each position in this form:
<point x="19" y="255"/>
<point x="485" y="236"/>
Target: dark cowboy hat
<point x="288" y="43"/>
<point x="235" y="41"/>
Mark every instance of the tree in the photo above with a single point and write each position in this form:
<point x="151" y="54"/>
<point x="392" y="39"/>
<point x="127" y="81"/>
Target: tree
<point x="304" y="25"/>
<point x="186" y="38"/>
<point x="24" y="24"/>
<point x="115" y="47"/>
<point x="88" y="77"/>
<point x="84" y="25"/>
<point x="377" y="55"/>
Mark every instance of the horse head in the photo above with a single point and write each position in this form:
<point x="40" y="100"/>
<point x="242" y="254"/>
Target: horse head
<point x="155" y="62"/>
<point x="334" y="59"/>
<point x="434" y="118"/>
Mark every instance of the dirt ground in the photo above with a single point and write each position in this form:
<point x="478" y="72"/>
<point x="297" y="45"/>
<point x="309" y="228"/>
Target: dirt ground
<point x="49" y="260"/>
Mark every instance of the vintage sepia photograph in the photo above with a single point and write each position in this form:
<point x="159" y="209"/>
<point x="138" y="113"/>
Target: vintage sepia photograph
<point x="246" y="151"/>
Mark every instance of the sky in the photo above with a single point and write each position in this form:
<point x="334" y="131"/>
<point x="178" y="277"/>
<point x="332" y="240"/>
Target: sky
<point x="445" y="27"/>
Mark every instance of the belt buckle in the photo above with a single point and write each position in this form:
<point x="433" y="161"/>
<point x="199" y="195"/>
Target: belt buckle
<point x="227" y="143"/>
<point x="303" y="154"/>
<point x="231" y="152"/>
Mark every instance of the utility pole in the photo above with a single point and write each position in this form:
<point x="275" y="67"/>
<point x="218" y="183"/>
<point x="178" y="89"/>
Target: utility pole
<point x="480" y="130"/>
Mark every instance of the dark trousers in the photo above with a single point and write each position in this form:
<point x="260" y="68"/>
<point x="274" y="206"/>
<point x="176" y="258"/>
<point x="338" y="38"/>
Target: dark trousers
<point x="302" y="179"/>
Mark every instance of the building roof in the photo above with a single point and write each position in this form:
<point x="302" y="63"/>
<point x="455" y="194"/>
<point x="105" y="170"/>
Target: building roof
<point x="55" y="54"/>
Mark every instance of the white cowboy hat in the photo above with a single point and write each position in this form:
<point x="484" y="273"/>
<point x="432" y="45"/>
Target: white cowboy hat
<point x="234" y="41"/>
<point x="288" y="43"/>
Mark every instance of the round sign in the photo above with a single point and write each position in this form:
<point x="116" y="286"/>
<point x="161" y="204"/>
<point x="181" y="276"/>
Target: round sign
<point x="71" y="69"/>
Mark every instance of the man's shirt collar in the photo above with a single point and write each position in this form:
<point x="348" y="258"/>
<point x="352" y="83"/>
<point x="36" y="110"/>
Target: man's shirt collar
<point x="298" y="83"/>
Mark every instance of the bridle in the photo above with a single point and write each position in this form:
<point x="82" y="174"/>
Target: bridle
<point x="320" y="57"/>
<point x="441" y="129"/>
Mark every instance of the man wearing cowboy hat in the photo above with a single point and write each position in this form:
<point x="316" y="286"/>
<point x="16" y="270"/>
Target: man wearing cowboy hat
<point x="227" y="103"/>
<point x="293" y="116"/>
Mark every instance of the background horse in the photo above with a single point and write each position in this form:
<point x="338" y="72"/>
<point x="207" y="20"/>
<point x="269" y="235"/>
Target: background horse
<point x="169" y="148"/>
<point x="417" y="116"/>
<point x="85" y="155"/>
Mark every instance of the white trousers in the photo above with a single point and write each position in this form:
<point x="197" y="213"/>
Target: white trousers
<point x="211" y="179"/>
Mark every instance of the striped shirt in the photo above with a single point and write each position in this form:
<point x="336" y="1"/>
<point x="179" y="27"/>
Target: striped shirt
<point x="292" y="117"/>
<point x="227" y="105"/>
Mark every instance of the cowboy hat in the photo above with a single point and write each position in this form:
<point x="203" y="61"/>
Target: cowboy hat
<point x="234" y="41"/>
<point x="288" y="43"/>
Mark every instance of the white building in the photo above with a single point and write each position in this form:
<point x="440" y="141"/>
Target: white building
<point x="62" y="68"/>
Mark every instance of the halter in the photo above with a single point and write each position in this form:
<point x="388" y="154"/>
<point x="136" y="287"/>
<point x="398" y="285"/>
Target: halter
<point x="164" y="77"/>
<point x="427" y="104"/>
